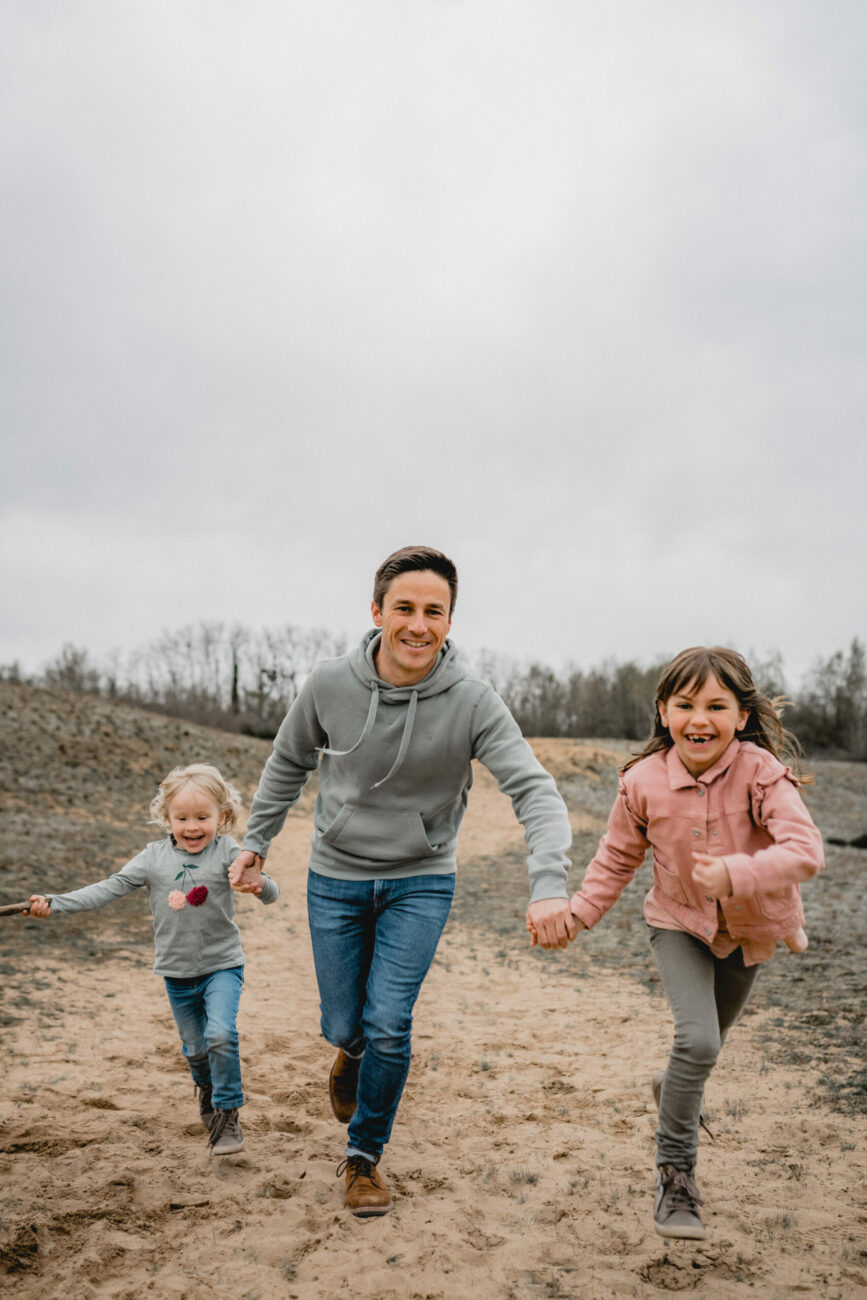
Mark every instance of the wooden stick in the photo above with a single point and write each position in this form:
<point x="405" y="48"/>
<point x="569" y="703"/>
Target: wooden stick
<point x="11" y="908"/>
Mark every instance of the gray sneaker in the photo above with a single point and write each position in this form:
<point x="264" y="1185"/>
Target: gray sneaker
<point x="675" y="1210"/>
<point x="226" y="1137"/>
<point x="206" y="1109"/>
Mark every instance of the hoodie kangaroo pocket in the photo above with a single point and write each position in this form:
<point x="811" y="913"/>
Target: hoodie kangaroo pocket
<point x="377" y="835"/>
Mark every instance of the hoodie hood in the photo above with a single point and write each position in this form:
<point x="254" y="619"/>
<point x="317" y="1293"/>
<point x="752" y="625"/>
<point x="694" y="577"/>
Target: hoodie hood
<point x="448" y="670"/>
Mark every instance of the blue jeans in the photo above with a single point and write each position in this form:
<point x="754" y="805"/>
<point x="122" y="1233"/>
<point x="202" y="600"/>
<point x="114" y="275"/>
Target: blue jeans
<point x="373" y="944"/>
<point x="205" y="1009"/>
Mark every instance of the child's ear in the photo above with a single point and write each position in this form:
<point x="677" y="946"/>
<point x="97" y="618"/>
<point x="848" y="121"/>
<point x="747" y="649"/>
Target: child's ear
<point x="663" y="712"/>
<point x="743" y="717"/>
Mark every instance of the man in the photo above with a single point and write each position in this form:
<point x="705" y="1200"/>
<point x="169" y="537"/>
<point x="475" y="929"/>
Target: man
<point x="393" y="727"/>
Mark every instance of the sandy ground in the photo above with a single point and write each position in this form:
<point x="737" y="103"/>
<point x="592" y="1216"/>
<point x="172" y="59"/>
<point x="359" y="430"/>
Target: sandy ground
<point x="521" y="1163"/>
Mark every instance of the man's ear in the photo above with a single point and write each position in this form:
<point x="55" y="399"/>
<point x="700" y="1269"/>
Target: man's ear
<point x="376" y="613"/>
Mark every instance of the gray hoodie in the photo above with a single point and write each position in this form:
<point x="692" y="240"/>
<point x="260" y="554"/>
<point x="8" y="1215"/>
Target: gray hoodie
<point x="395" y="772"/>
<point x="199" y="937"/>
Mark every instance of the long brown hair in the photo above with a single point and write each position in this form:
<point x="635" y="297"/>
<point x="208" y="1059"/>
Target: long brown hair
<point x="691" y="668"/>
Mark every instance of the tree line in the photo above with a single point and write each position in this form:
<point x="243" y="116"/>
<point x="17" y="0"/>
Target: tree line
<point x="229" y="676"/>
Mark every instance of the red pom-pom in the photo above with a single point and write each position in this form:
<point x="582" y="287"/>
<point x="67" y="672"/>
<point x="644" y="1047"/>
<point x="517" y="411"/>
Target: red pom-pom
<point x="197" y="895"/>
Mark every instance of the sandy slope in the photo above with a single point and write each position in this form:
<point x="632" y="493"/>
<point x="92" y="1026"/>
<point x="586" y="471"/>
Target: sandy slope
<point x="521" y="1162"/>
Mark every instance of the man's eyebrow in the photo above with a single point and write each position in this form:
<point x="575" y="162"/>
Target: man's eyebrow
<point x="428" y="604"/>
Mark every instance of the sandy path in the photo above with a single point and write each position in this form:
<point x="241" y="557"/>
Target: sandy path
<point x="521" y="1163"/>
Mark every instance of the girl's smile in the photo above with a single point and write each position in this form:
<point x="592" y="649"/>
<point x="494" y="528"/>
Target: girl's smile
<point x="702" y="722"/>
<point x="195" y="818"/>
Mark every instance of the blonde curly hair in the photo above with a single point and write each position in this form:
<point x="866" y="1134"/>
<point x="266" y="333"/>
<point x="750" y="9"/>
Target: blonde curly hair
<point x="207" y="778"/>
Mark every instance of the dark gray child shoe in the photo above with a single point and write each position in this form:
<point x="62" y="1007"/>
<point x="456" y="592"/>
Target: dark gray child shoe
<point x="675" y="1209"/>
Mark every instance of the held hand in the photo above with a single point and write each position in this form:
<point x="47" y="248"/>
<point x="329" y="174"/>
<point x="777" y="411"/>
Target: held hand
<point x="797" y="942"/>
<point x="245" y="874"/>
<point x="39" y="906"/>
<point x="534" y="937"/>
<point x="712" y="875"/>
<point x="551" y="923"/>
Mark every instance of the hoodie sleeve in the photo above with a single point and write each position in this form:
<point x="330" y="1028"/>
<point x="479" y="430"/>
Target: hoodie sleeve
<point x="497" y="742"/>
<point x="102" y="892"/>
<point x="292" y="760"/>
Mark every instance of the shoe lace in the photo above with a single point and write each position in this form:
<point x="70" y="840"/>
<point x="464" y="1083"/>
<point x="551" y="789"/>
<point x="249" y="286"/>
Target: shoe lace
<point x="702" y="1124"/>
<point x="359" y="1167"/>
<point x="682" y="1191"/>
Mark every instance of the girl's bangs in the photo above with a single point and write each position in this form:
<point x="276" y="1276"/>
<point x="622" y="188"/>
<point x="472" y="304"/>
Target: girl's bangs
<point x="695" y="669"/>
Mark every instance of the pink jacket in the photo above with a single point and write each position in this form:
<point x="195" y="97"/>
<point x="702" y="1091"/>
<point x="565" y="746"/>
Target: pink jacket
<point x="747" y="809"/>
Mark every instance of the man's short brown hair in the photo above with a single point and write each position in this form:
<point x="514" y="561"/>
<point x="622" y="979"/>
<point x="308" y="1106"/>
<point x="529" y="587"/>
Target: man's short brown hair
<point x="410" y="559"/>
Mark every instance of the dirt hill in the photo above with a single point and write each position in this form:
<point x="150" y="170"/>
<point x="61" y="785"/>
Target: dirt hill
<point x="521" y="1161"/>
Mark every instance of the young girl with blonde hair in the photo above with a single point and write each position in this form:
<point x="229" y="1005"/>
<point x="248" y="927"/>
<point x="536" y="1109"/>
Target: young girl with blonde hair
<point x="197" y="943"/>
<point x="711" y="795"/>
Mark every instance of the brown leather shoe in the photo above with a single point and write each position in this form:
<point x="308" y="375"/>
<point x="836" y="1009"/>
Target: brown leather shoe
<point x="343" y="1085"/>
<point x="366" y="1193"/>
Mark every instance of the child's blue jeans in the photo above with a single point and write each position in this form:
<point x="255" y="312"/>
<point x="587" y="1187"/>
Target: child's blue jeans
<point x="205" y="1008"/>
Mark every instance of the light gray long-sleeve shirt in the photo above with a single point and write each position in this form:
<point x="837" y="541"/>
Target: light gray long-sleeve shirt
<point x="200" y="937"/>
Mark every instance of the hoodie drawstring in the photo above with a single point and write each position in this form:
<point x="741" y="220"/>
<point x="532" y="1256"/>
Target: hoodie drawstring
<point x="366" y="729"/>
<point x="404" y="741"/>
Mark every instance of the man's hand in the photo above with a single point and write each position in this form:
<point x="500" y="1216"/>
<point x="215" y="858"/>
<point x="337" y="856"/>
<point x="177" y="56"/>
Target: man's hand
<point x="551" y="923"/>
<point x="39" y="906"/>
<point x="712" y="875"/>
<point x="245" y="873"/>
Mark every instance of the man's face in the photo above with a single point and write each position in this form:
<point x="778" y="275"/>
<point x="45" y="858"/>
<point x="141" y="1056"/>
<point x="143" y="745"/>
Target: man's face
<point x="414" y="617"/>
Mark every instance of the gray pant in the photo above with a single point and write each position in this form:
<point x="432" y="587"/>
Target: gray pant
<point x="706" y="995"/>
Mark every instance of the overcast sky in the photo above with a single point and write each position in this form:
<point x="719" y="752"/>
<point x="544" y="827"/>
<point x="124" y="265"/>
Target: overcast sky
<point x="573" y="291"/>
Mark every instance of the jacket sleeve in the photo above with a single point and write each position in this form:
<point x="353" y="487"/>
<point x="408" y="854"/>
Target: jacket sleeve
<point x="130" y="877"/>
<point x="497" y="742"/>
<point x="292" y="760"/>
<point x="796" y="853"/>
<point x="621" y="852"/>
